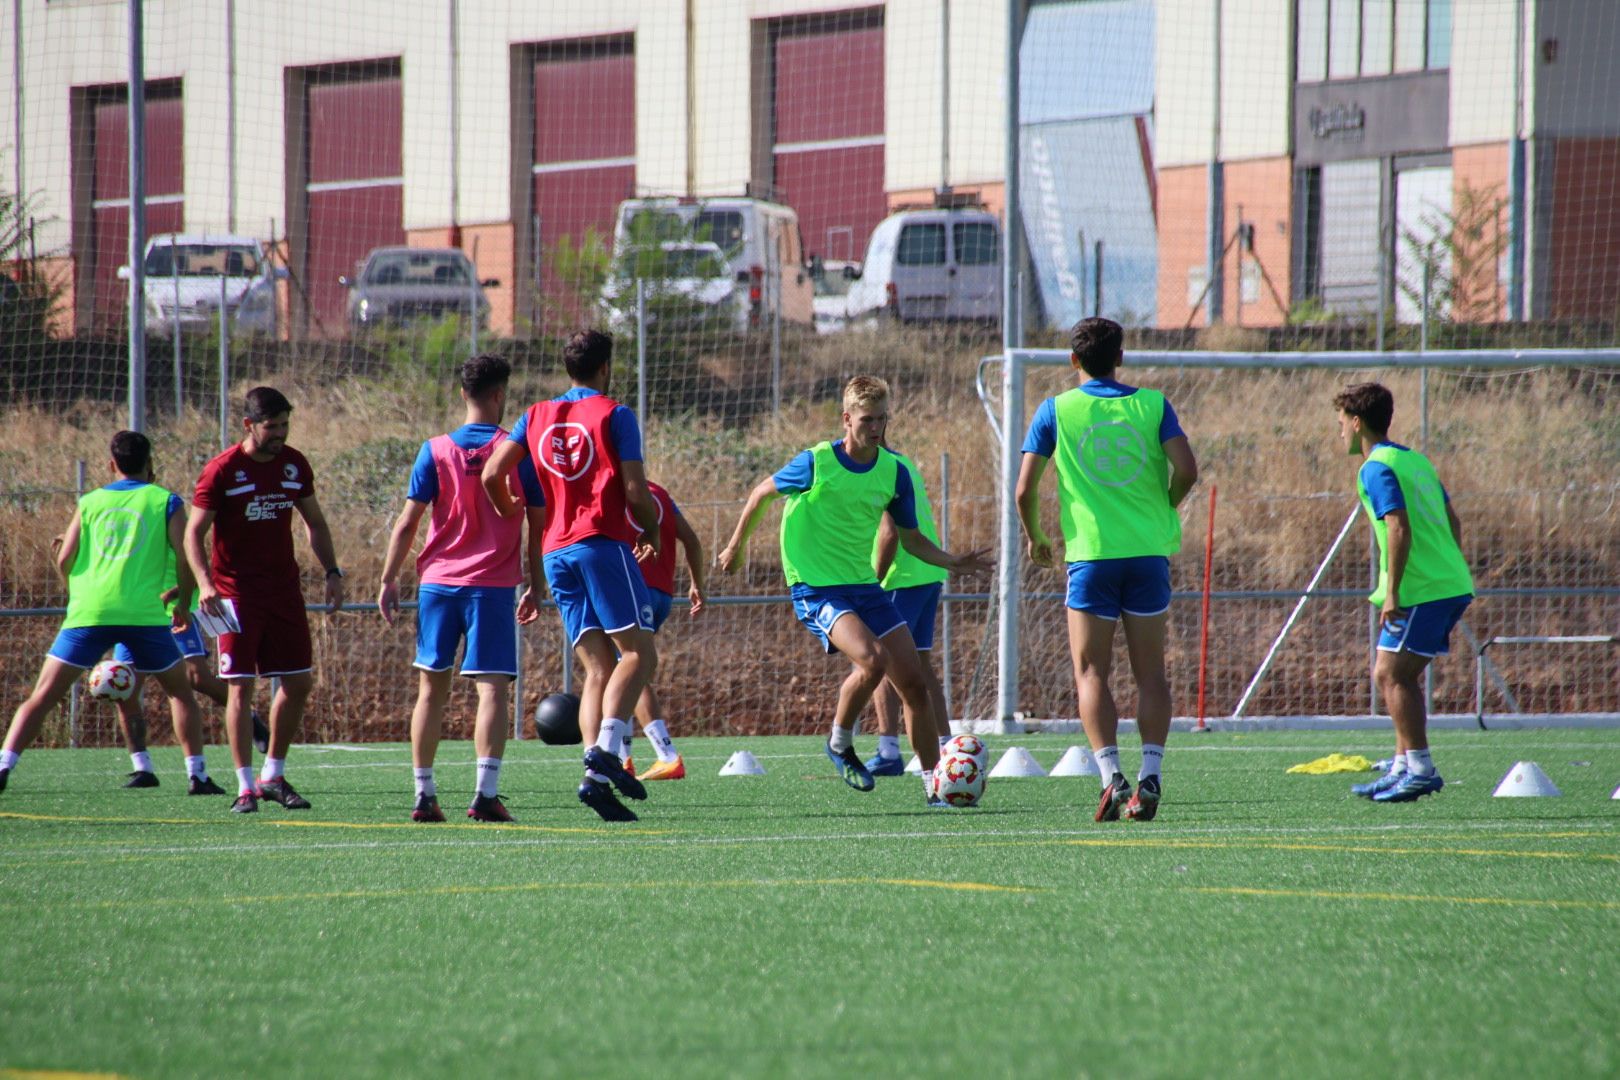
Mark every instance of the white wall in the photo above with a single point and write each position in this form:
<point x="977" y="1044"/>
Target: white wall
<point x="1184" y="66"/>
<point x="1482" y="73"/>
<point x="1257" y="78"/>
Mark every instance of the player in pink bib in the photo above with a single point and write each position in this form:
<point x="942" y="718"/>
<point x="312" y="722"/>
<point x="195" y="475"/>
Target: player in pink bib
<point x="469" y="570"/>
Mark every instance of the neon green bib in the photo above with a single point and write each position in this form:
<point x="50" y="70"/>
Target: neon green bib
<point x="828" y="531"/>
<point x="907" y="571"/>
<point x="1435" y="567"/>
<point x="1113" y="477"/>
<point x="123" y="563"/>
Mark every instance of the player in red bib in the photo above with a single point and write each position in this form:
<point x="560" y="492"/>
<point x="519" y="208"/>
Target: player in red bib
<point x="248" y="496"/>
<point x="659" y="574"/>
<point x="587" y="450"/>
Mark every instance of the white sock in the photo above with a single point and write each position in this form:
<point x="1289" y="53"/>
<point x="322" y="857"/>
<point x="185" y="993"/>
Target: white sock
<point x="889" y="746"/>
<point x="1107" y="763"/>
<point x="8" y="759"/>
<point x="928" y="783"/>
<point x="1152" y="759"/>
<point x="624" y="741"/>
<point x="489" y="777"/>
<point x="1418" y="762"/>
<point x="658" y="733"/>
<point x="197" y="766"/>
<point x="607" y="739"/>
<point x="244" y="780"/>
<point x="1397" y="765"/>
<point x="424" y="782"/>
<point x="840" y="739"/>
<point x="141" y="761"/>
<point x="273" y="768"/>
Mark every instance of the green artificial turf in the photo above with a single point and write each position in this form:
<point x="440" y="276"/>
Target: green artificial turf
<point x="784" y="925"/>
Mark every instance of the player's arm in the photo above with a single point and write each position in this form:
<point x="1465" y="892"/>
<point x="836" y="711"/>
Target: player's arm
<point x="198" y="523"/>
<point x="66" y="548"/>
<point x="1028" y="496"/>
<point x="759" y="501"/>
<point x="638" y="497"/>
<point x="693" y="549"/>
<point x="1183" y="468"/>
<point x="1398" y="537"/>
<point x="1456" y="523"/>
<point x="502" y="461"/>
<point x="888" y="544"/>
<point x="529" y="603"/>
<point x="400" y="542"/>
<point x="919" y="546"/>
<point x="320" y="542"/>
<point x="185" y="583"/>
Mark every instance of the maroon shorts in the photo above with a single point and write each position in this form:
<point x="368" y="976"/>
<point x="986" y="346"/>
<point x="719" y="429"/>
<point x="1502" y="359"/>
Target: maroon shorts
<point x="274" y="639"/>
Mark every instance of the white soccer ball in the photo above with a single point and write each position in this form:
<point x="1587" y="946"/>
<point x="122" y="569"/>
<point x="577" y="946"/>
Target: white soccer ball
<point x="112" y="680"/>
<point x="971" y="745"/>
<point x="959" y="780"/>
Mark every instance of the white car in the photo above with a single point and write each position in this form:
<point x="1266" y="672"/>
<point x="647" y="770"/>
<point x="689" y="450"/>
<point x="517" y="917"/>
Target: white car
<point x="688" y="284"/>
<point x="182" y="285"/>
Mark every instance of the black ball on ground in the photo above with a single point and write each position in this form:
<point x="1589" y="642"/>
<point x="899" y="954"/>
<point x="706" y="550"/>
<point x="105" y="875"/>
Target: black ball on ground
<point x="556" y="720"/>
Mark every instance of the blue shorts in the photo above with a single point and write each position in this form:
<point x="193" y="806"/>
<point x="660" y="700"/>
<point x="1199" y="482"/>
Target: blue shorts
<point x="918" y="605"/>
<point x="661" y="602"/>
<point x="1139" y="585"/>
<point x="485" y="615"/>
<point x="1426" y="629"/>
<point x="151" y="648"/>
<point x="598" y="586"/>
<point x="818" y="609"/>
<point x="189" y="641"/>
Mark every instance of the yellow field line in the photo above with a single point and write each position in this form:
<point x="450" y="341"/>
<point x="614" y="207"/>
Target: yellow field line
<point x="1492" y="901"/>
<point x="483" y="826"/>
<point x="538" y="886"/>
<point x="55" y="1074"/>
<point x="1286" y="845"/>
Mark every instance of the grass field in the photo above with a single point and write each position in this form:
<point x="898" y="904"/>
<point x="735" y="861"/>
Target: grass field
<point x="787" y="926"/>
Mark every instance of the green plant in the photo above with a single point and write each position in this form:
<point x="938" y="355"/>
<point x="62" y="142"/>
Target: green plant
<point x="1459" y="251"/>
<point x="30" y="294"/>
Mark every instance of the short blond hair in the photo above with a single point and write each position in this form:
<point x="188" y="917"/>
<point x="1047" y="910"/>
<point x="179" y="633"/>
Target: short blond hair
<point x="864" y="391"/>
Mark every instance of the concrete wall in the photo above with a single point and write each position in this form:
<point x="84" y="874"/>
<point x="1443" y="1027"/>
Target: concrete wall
<point x="1256" y="80"/>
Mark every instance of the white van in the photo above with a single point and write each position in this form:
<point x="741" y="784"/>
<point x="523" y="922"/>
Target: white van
<point x="760" y="241"/>
<point x="931" y="265"/>
<point x="183" y="272"/>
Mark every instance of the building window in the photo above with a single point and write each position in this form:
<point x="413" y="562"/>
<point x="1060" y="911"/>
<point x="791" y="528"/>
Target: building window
<point x="1350" y="39"/>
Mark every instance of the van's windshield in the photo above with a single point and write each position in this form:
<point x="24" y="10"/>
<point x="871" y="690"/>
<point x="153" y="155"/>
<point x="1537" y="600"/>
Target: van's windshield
<point x="202" y="260"/>
<point x="723" y="227"/>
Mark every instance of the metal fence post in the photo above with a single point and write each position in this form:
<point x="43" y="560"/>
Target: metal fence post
<point x="945" y="605"/>
<point x="517" y="686"/>
<point x="73" y="695"/>
<point x="641" y="349"/>
<point x="174" y="272"/>
<point x="1007" y="583"/>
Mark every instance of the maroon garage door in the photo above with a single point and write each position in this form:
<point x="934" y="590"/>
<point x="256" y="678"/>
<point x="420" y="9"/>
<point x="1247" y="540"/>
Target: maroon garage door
<point x="103" y="297"/>
<point x="828" y="127"/>
<point x="584" y="143"/>
<point x="354" y="182"/>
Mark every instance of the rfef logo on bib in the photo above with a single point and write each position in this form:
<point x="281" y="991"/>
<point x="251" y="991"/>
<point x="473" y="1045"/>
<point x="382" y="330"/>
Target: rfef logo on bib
<point x="1112" y="454"/>
<point x="120" y="533"/>
<point x="567" y="450"/>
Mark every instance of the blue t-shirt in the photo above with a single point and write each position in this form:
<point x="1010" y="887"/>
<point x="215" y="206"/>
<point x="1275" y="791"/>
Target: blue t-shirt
<point x="622" y="426"/>
<point x="1042" y="437"/>
<point x="1383" y="488"/>
<point x="424" y="487"/>
<point x="176" y="504"/>
<point x="800" y="474"/>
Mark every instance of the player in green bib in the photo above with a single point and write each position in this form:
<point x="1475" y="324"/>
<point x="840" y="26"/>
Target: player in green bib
<point x="1123" y="466"/>
<point x="915" y="588"/>
<point x="1423" y="581"/>
<point x="837" y="493"/>
<point x="114" y="558"/>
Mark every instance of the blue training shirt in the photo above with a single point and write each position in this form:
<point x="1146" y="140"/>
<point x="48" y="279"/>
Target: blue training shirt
<point x="1383" y="489"/>
<point x="424" y="486"/>
<point x="799" y="475"/>
<point x="622" y="426"/>
<point x="1042" y="437"/>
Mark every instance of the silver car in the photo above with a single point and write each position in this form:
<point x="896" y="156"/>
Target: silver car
<point x="398" y="285"/>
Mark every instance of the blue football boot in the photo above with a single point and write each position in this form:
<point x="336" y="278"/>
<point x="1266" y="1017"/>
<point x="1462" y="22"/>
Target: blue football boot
<point x="849" y="766"/>
<point x="878" y="765"/>
<point x="1373" y="787"/>
<point x="1409" y="787"/>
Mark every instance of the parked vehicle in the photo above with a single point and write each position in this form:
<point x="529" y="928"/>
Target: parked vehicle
<point x="833" y="279"/>
<point x="931" y="265"/>
<point x="760" y="241"/>
<point x="183" y="272"/>
<point x="398" y="285"/>
<point x="688" y="284"/>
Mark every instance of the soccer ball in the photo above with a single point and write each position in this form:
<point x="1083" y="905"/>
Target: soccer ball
<point x="959" y="780"/>
<point x="112" y="680"/>
<point x="971" y="745"/>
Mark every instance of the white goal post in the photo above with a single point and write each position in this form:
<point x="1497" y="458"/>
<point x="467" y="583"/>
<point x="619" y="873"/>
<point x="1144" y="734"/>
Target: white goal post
<point x="1009" y="417"/>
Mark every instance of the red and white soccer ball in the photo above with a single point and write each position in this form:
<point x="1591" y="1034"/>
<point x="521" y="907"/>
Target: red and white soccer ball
<point x="112" y="680"/>
<point x="971" y="745"/>
<point x="959" y="780"/>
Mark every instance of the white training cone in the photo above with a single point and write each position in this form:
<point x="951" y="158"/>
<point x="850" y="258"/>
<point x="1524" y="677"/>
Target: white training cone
<point x="1018" y="762"/>
<point x="1616" y="794"/>
<point x="915" y="766"/>
<point x="742" y="763"/>
<point x="1076" y="761"/>
<point x="1525" y="780"/>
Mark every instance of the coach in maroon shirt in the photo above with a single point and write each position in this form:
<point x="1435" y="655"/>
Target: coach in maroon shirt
<point x="247" y="495"/>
